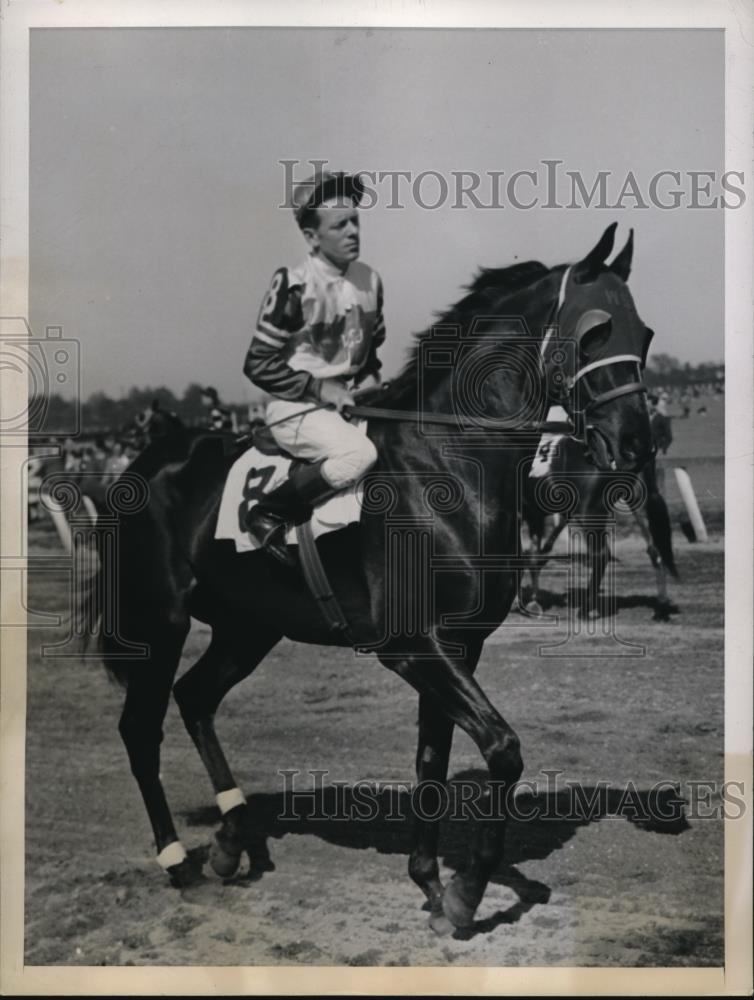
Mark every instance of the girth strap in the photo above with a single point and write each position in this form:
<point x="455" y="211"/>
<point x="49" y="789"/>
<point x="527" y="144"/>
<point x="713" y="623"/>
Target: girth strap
<point x="318" y="583"/>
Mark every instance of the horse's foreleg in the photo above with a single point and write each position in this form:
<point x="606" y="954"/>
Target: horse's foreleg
<point x="432" y="755"/>
<point x="140" y="727"/>
<point x="559" y="522"/>
<point x="598" y="556"/>
<point x="544" y="548"/>
<point x="664" y="605"/>
<point x="453" y="688"/>
<point x="532" y="606"/>
<point x="226" y="662"/>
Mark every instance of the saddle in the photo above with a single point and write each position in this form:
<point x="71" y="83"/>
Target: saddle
<point x="259" y="437"/>
<point x="262" y="440"/>
<point x="258" y="466"/>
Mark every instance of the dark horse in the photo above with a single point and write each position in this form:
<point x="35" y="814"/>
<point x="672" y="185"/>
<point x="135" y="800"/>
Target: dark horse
<point x="588" y="496"/>
<point x="427" y="574"/>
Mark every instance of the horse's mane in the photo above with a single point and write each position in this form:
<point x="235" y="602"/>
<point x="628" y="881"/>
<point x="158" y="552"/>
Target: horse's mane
<point x="486" y="293"/>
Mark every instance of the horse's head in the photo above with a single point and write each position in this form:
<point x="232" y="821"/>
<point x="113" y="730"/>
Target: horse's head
<point x="155" y="425"/>
<point x="164" y="426"/>
<point x="599" y="379"/>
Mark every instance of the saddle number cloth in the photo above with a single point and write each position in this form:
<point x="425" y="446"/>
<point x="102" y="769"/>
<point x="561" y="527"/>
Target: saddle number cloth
<point x="254" y="474"/>
<point x="547" y="448"/>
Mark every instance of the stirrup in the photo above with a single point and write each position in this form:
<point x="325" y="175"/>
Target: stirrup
<point x="272" y="536"/>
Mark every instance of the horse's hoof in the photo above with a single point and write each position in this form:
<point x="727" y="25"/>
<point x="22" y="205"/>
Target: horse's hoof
<point x="440" y="923"/>
<point x="459" y="911"/>
<point x="223" y="863"/>
<point x="664" y="610"/>
<point x="534" y="608"/>
<point x="186" y="874"/>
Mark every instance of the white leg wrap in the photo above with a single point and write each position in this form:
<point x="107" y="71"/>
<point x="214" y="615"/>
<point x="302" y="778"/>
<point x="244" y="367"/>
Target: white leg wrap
<point x="230" y="799"/>
<point x="171" y="855"/>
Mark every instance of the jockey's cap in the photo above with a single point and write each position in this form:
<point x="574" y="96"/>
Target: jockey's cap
<point x="323" y="185"/>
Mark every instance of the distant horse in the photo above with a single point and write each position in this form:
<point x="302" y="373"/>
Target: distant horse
<point x="489" y="368"/>
<point x="593" y="495"/>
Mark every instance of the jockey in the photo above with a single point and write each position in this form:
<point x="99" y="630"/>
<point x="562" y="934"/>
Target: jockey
<point x="316" y="339"/>
<point x="219" y="417"/>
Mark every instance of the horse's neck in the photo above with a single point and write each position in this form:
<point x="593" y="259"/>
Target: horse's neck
<point x="537" y="308"/>
<point x="482" y="453"/>
<point x="499" y="459"/>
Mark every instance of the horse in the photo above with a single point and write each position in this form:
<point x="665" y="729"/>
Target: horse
<point x="423" y="578"/>
<point x="593" y="496"/>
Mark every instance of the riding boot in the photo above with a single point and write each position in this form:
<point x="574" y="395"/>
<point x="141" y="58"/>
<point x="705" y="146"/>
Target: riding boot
<point x="267" y="522"/>
<point x="311" y="485"/>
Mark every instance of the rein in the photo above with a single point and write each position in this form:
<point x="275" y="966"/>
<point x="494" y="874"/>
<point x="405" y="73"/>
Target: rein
<point x="442" y="419"/>
<point x="450" y="420"/>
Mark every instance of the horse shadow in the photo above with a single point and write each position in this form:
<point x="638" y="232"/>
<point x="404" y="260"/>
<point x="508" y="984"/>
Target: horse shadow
<point x="578" y="599"/>
<point x="358" y="818"/>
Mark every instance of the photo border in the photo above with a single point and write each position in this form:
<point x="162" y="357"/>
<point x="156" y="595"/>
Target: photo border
<point x="736" y="18"/>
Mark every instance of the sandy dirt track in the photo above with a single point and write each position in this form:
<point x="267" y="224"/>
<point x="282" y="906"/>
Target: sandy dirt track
<point x="602" y="891"/>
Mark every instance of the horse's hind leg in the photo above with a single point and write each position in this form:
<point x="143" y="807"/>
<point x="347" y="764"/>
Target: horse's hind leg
<point x="228" y="660"/>
<point x="147" y="697"/>
<point x="432" y="755"/>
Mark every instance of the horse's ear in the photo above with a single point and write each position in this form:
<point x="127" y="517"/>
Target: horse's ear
<point x="588" y="268"/>
<point x="622" y="263"/>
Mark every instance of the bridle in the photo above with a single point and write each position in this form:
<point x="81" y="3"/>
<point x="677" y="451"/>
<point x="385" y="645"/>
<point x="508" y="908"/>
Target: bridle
<point x="564" y="394"/>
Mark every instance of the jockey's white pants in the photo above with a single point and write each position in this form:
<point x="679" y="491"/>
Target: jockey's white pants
<point x="322" y="434"/>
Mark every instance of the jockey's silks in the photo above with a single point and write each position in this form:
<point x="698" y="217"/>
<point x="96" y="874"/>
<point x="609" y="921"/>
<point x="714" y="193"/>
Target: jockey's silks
<point x="316" y="322"/>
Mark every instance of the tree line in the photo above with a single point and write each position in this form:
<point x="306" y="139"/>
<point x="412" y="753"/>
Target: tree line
<point x="666" y="370"/>
<point x="101" y="412"/>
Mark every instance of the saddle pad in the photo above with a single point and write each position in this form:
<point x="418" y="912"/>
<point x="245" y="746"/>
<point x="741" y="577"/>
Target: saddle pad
<point x="254" y="474"/>
<point x="542" y="464"/>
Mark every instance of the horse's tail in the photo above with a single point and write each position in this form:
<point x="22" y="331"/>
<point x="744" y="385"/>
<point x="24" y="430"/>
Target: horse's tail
<point x="658" y="519"/>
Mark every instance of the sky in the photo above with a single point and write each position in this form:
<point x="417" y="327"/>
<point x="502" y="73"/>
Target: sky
<point x="156" y="184"/>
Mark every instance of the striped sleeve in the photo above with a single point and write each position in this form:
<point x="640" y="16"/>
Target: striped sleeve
<point x="266" y="359"/>
<point x="372" y="365"/>
<point x="378" y="337"/>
